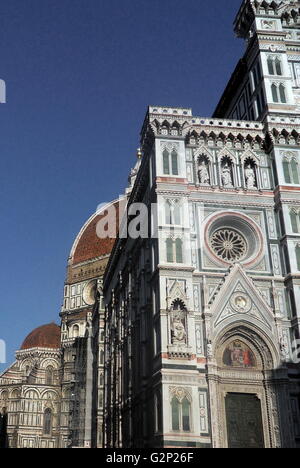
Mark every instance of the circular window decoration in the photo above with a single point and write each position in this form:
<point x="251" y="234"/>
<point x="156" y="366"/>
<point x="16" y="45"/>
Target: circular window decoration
<point x="232" y="237"/>
<point x="90" y="292"/>
<point x="229" y="245"/>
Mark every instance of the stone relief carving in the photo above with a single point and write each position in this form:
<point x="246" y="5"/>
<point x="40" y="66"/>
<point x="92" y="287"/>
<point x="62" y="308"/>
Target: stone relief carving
<point x="250" y="177"/>
<point x="227" y="179"/>
<point x="180" y="393"/>
<point x="284" y="346"/>
<point x="268" y="25"/>
<point x="203" y="173"/>
<point x="179" y="335"/>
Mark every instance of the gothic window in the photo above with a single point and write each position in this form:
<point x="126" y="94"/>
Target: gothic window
<point x="271" y="66"/>
<point x="49" y="375"/>
<point x="175" y="414"/>
<point x="298" y="256"/>
<point x="278" y="66"/>
<point x="170" y="163"/>
<point x="181" y="414"/>
<point x="173" y="213"/>
<point x="279" y="93"/>
<point x="177" y="214"/>
<point x="291" y="171"/>
<point x="179" y="257"/>
<point x="282" y="94"/>
<point x="170" y="253"/>
<point x="174" y="163"/>
<point x="286" y="171"/>
<point x="275" y="93"/>
<point x="166" y="162"/>
<point x="274" y="66"/>
<point x="169" y="217"/>
<point x="295" y="171"/>
<point x="174" y="251"/>
<point x="47" y="421"/>
<point x="186" y="407"/>
<point x="295" y="220"/>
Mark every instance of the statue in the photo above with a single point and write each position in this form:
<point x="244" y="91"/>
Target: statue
<point x="250" y="177"/>
<point x="227" y="176"/>
<point x="179" y="333"/>
<point x="203" y="174"/>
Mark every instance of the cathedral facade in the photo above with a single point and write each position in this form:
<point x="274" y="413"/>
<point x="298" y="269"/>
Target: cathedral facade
<point x="188" y="334"/>
<point x="202" y="319"/>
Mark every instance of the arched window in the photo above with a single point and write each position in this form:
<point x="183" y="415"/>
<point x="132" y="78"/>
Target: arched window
<point x="47" y="421"/>
<point x="173" y="213"/>
<point x="278" y="66"/>
<point x="274" y="66"/>
<point x="181" y="414"/>
<point x="174" y="251"/>
<point x="295" y="171"/>
<point x="271" y="66"/>
<point x="282" y="94"/>
<point x="275" y="93"/>
<point x="49" y="375"/>
<point x="169" y="218"/>
<point x="166" y="162"/>
<point x="186" y="408"/>
<point x="286" y="171"/>
<point x="75" y="331"/>
<point x="170" y="163"/>
<point x="175" y="414"/>
<point x="174" y="163"/>
<point x="170" y="253"/>
<point x="177" y="214"/>
<point x="291" y="171"/>
<point x="295" y="220"/>
<point x="179" y="254"/>
<point x="298" y="256"/>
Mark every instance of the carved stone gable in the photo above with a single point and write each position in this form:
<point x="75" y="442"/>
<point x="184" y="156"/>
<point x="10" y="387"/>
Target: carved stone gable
<point x="239" y="300"/>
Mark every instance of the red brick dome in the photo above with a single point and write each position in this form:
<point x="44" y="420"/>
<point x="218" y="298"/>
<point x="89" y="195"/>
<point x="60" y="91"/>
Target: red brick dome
<point x="88" y="245"/>
<point x="47" y="336"/>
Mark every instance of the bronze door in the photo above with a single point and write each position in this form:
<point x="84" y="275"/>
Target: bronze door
<point x="244" y="421"/>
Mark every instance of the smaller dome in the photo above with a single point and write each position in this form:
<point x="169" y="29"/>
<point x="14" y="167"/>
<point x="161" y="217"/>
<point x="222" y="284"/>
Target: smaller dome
<point x="47" y="336"/>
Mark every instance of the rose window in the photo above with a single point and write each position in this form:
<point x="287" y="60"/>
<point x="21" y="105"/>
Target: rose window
<point x="229" y="245"/>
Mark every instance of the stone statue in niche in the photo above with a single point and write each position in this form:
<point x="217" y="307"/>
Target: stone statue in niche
<point x="227" y="176"/>
<point x="284" y="347"/>
<point x="203" y="174"/>
<point x="178" y="331"/>
<point x="250" y="177"/>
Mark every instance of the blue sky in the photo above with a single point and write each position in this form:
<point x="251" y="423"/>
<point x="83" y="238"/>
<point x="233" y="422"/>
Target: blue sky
<point x="80" y="75"/>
